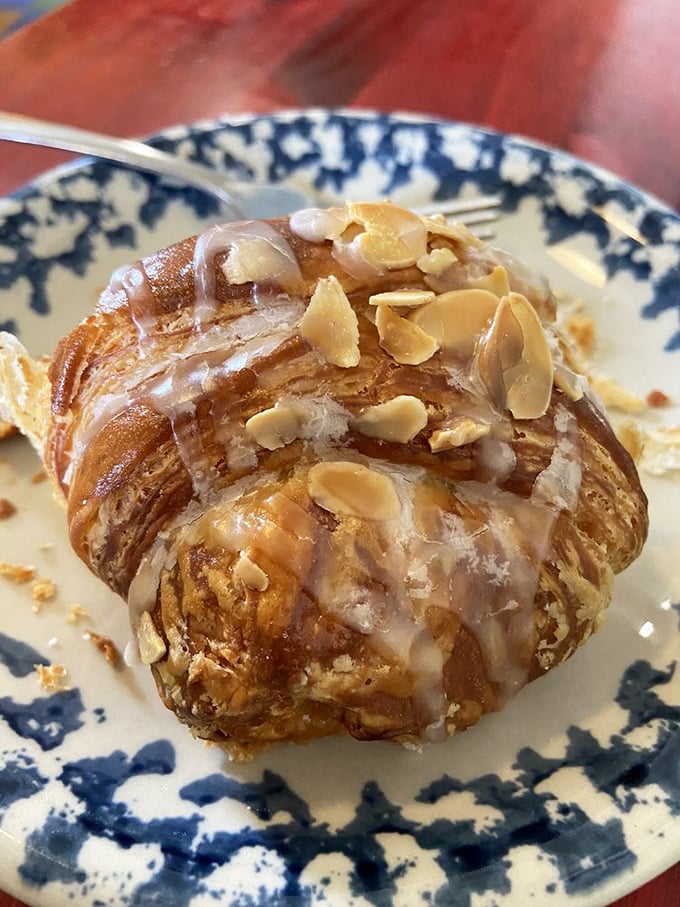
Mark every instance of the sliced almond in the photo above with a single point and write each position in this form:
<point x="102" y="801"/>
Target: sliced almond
<point x="514" y="359"/>
<point x="436" y="261"/>
<point x="457" y="318"/>
<point x="350" y="489"/>
<point x="151" y="645"/>
<point x="250" y="574"/>
<point x="440" y="226"/>
<point x="275" y="427"/>
<point x="460" y="431"/>
<point x="404" y="341"/>
<point x="399" y="419"/>
<point x="402" y="298"/>
<point x="393" y="237"/>
<point x="497" y="282"/>
<point x="385" y="251"/>
<point x="254" y="261"/>
<point x="330" y="324"/>
<point x="568" y="382"/>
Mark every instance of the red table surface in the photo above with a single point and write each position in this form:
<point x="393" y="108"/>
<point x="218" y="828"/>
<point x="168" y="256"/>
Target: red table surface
<point x="599" y="78"/>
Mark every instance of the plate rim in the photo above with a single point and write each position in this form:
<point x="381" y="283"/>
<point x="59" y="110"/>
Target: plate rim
<point x="224" y="122"/>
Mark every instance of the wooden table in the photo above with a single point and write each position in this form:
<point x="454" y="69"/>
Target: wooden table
<point x="600" y="79"/>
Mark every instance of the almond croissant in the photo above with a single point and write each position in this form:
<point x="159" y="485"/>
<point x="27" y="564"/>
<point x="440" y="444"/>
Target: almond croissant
<point x="342" y="469"/>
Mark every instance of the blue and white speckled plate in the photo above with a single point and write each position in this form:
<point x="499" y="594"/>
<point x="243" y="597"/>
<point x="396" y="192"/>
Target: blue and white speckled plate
<point x="572" y="794"/>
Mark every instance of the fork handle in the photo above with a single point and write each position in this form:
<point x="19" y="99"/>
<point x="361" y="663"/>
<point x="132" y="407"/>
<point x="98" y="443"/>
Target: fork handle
<point x="16" y="128"/>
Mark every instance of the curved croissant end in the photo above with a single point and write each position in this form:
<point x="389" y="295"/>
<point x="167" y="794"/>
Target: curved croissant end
<point x="24" y="391"/>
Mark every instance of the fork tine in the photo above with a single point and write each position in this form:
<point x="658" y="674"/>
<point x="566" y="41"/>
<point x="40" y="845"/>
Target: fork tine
<point x="484" y="216"/>
<point x="480" y="209"/>
<point x="453" y="207"/>
<point x="484" y="233"/>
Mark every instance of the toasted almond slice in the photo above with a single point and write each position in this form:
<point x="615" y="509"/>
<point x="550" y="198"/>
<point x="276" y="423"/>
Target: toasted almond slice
<point x="254" y="261"/>
<point x="497" y="282"/>
<point x="404" y="341"/>
<point x="440" y="226"/>
<point x="514" y="359"/>
<point x="250" y="574"/>
<point x="457" y="318"/>
<point x="350" y="489"/>
<point x="402" y="298"/>
<point x="151" y="645"/>
<point x="275" y="427"/>
<point x="386" y="218"/>
<point x="394" y="237"/>
<point x="436" y="261"/>
<point x="568" y="382"/>
<point x="399" y="419"/>
<point x="460" y="431"/>
<point x="385" y="251"/>
<point x="330" y="324"/>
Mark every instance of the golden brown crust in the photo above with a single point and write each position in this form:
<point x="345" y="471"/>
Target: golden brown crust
<point x="282" y="606"/>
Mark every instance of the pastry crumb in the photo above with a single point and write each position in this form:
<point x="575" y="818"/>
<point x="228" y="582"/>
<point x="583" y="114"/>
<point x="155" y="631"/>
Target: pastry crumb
<point x="581" y="329"/>
<point x="656" y="398"/>
<point x="105" y="645"/>
<point x="52" y="678"/>
<point x="18" y="573"/>
<point x="7" y="509"/>
<point x="43" y="590"/>
<point x="76" y="613"/>
<point x="661" y="452"/>
<point x="38" y="477"/>
<point x="615" y="396"/>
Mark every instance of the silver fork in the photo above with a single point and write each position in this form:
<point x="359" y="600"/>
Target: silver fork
<point x="241" y="198"/>
<point x="478" y="212"/>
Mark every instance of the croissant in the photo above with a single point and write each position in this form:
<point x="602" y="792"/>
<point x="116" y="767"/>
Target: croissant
<point x="343" y="470"/>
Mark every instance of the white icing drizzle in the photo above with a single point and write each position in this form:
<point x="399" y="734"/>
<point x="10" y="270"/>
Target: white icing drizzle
<point x="494" y="458"/>
<point x="497" y="574"/>
<point x="559" y="483"/>
<point x="133" y="281"/>
<point x="177" y="392"/>
<point x="174" y="388"/>
<point x="319" y="224"/>
<point x="485" y="568"/>
<point x="144" y="587"/>
<point x="221" y="238"/>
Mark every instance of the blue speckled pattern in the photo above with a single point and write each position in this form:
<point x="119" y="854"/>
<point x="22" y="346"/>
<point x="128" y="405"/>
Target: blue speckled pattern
<point x="572" y="793"/>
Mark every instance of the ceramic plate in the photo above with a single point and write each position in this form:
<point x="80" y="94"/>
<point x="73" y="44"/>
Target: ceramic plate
<point x="572" y="794"/>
